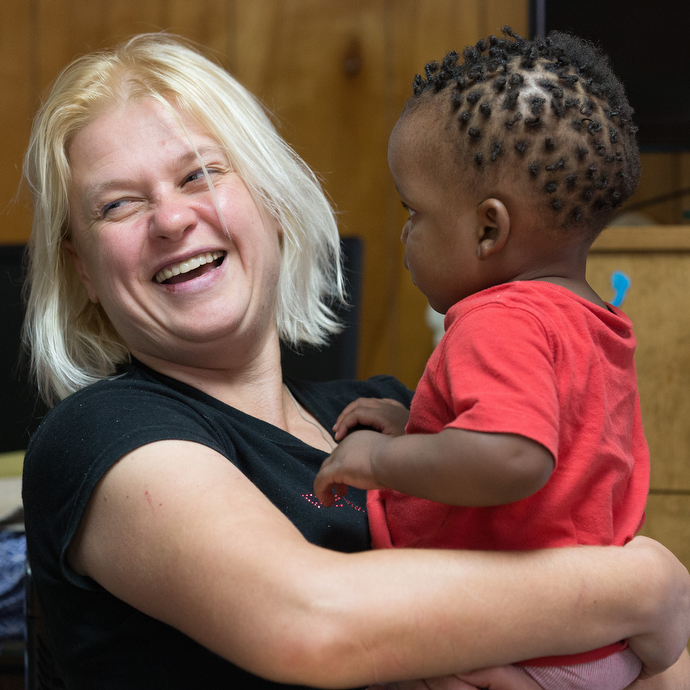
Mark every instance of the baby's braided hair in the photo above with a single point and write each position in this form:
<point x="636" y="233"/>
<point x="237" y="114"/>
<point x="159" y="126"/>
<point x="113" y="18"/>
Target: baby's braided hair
<point x="551" y="106"/>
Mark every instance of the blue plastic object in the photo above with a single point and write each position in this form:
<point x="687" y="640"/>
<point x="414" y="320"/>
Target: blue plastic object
<point x="620" y="282"/>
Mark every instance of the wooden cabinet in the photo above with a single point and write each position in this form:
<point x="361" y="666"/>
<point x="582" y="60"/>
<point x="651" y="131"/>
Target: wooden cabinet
<point x="656" y="260"/>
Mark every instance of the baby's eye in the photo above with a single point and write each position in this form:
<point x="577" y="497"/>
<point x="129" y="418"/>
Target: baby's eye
<point x="410" y="211"/>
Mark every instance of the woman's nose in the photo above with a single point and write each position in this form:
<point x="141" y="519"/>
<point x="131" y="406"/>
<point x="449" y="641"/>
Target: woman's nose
<point x="173" y="215"/>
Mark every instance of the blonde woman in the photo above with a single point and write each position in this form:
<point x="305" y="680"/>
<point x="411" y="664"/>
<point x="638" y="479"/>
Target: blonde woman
<point x="171" y="528"/>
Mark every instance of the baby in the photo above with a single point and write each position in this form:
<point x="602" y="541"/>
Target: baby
<point x="525" y="429"/>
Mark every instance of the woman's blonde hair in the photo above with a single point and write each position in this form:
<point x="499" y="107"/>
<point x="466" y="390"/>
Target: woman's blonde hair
<point x="71" y="340"/>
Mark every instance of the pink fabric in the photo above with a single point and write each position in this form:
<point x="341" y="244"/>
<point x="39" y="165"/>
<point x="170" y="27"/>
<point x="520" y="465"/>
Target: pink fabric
<point x="534" y="359"/>
<point x="615" y="672"/>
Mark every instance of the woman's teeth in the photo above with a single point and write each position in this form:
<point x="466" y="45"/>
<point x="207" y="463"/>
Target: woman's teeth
<point x="187" y="265"/>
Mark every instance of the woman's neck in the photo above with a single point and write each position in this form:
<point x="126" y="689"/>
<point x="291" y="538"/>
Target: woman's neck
<point x="252" y="384"/>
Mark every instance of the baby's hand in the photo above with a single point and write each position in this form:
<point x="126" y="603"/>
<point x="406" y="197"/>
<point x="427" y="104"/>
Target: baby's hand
<point x="383" y="414"/>
<point x="349" y="464"/>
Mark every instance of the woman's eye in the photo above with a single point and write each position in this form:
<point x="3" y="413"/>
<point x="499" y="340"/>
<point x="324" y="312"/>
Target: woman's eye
<point x="199" y="175"/>
<point x="112" y="207"/>
<point x="196" y="175"/>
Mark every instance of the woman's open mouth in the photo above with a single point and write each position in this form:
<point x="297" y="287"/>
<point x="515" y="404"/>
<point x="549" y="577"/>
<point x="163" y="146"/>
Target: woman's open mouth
<point x="190" y="268"/>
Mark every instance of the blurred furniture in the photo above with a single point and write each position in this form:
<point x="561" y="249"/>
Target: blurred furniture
<point x="41" y="672"/>
<point x="12" y="645"/>
<point x="656" y="260"/>
<point x="20" y="410"/>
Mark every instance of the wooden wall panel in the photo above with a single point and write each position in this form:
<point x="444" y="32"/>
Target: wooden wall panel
<point x="421" y="32"/>
<point x="663" y="173"/>
<point x="18" y="105"/>
<point x="684" y="183"/>
<point x="498" y="13"/>
<point x="337" y="75"/>
<point x="668" y="521"/>
<point x="320" y="67"/>
<point x="657" y="260"/>
<point x="208" y="22"/>
<point x="67" y="28"/>
<point x="658" y="288"/>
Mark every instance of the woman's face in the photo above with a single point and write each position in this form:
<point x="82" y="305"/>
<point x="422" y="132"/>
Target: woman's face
<point x="148" y="243"/>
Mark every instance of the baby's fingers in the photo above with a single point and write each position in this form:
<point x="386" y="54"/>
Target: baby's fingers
<point x="326" y="487"/>
<point x="330" y="494"/>
<point x="382" y="414"/>
<point x="348" y="409"/>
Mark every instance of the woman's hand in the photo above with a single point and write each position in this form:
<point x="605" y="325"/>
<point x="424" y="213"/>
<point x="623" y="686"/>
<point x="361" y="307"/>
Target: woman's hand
<point x="498" y="678"/>
<point x="669" y="628"/>
<point x="383" y="414"/>
<point x="675" y="678"/>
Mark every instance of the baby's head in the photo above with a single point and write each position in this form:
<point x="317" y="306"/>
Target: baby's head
<point x="547" y="117"/>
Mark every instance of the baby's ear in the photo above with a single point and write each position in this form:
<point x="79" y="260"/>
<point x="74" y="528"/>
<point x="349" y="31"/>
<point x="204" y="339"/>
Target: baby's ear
<point x="493" y="223"/>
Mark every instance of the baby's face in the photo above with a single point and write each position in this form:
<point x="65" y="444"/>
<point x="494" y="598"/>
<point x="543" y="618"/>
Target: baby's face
<point x="442" y="233"/>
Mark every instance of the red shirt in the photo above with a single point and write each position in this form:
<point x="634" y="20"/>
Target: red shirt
<point x="532" y="358"/>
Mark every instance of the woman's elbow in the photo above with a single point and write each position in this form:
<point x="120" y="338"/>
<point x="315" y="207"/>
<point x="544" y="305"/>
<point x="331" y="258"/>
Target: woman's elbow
<point x="308" y="635"/>
<point x="315" y="652"/>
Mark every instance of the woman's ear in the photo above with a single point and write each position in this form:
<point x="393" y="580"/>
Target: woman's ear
<point x="493" y="222"/>
<point x="80" y="269"/>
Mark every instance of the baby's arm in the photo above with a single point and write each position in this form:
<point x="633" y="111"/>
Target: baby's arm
<point x="454" y="466"/>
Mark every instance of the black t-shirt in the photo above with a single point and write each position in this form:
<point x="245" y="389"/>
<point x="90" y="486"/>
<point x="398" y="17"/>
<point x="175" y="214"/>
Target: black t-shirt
<point x="100" y="641"/>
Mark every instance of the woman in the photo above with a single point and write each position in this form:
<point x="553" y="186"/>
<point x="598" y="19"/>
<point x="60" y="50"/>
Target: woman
<point x="176" y="240"/>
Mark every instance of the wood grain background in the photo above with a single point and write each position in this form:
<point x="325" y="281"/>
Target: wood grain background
<point x="334" y="73"/>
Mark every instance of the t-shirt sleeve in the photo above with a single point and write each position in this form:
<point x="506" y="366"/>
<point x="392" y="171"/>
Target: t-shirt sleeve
<point x="497" y="369"/>
<point x="84" y="436"/>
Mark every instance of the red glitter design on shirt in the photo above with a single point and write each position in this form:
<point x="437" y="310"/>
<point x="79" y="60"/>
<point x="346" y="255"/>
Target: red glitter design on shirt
<point x="339" y="503"/>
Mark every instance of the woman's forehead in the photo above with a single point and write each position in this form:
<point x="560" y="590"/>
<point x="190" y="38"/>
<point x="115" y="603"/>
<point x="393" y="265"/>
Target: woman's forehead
<point x="135" y="129"/>
<point x="133" y="141"/>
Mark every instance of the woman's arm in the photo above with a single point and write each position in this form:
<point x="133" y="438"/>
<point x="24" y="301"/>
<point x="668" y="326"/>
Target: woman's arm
<point x="177" y="531"/>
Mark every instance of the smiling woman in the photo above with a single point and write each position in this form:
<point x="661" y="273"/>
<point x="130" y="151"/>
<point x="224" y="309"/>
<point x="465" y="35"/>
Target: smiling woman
<point x="172" y="530"/>
<point x="139" y="211"/>
<point x="216" y="125"/>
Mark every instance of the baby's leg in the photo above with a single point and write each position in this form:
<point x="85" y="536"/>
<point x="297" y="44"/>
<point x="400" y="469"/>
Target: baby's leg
<point x="614" y="672"/>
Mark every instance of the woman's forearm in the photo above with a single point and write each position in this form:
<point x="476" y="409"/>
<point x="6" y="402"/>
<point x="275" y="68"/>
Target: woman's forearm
<point x="462" y="611"/>
<point x="220" y="563"/>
